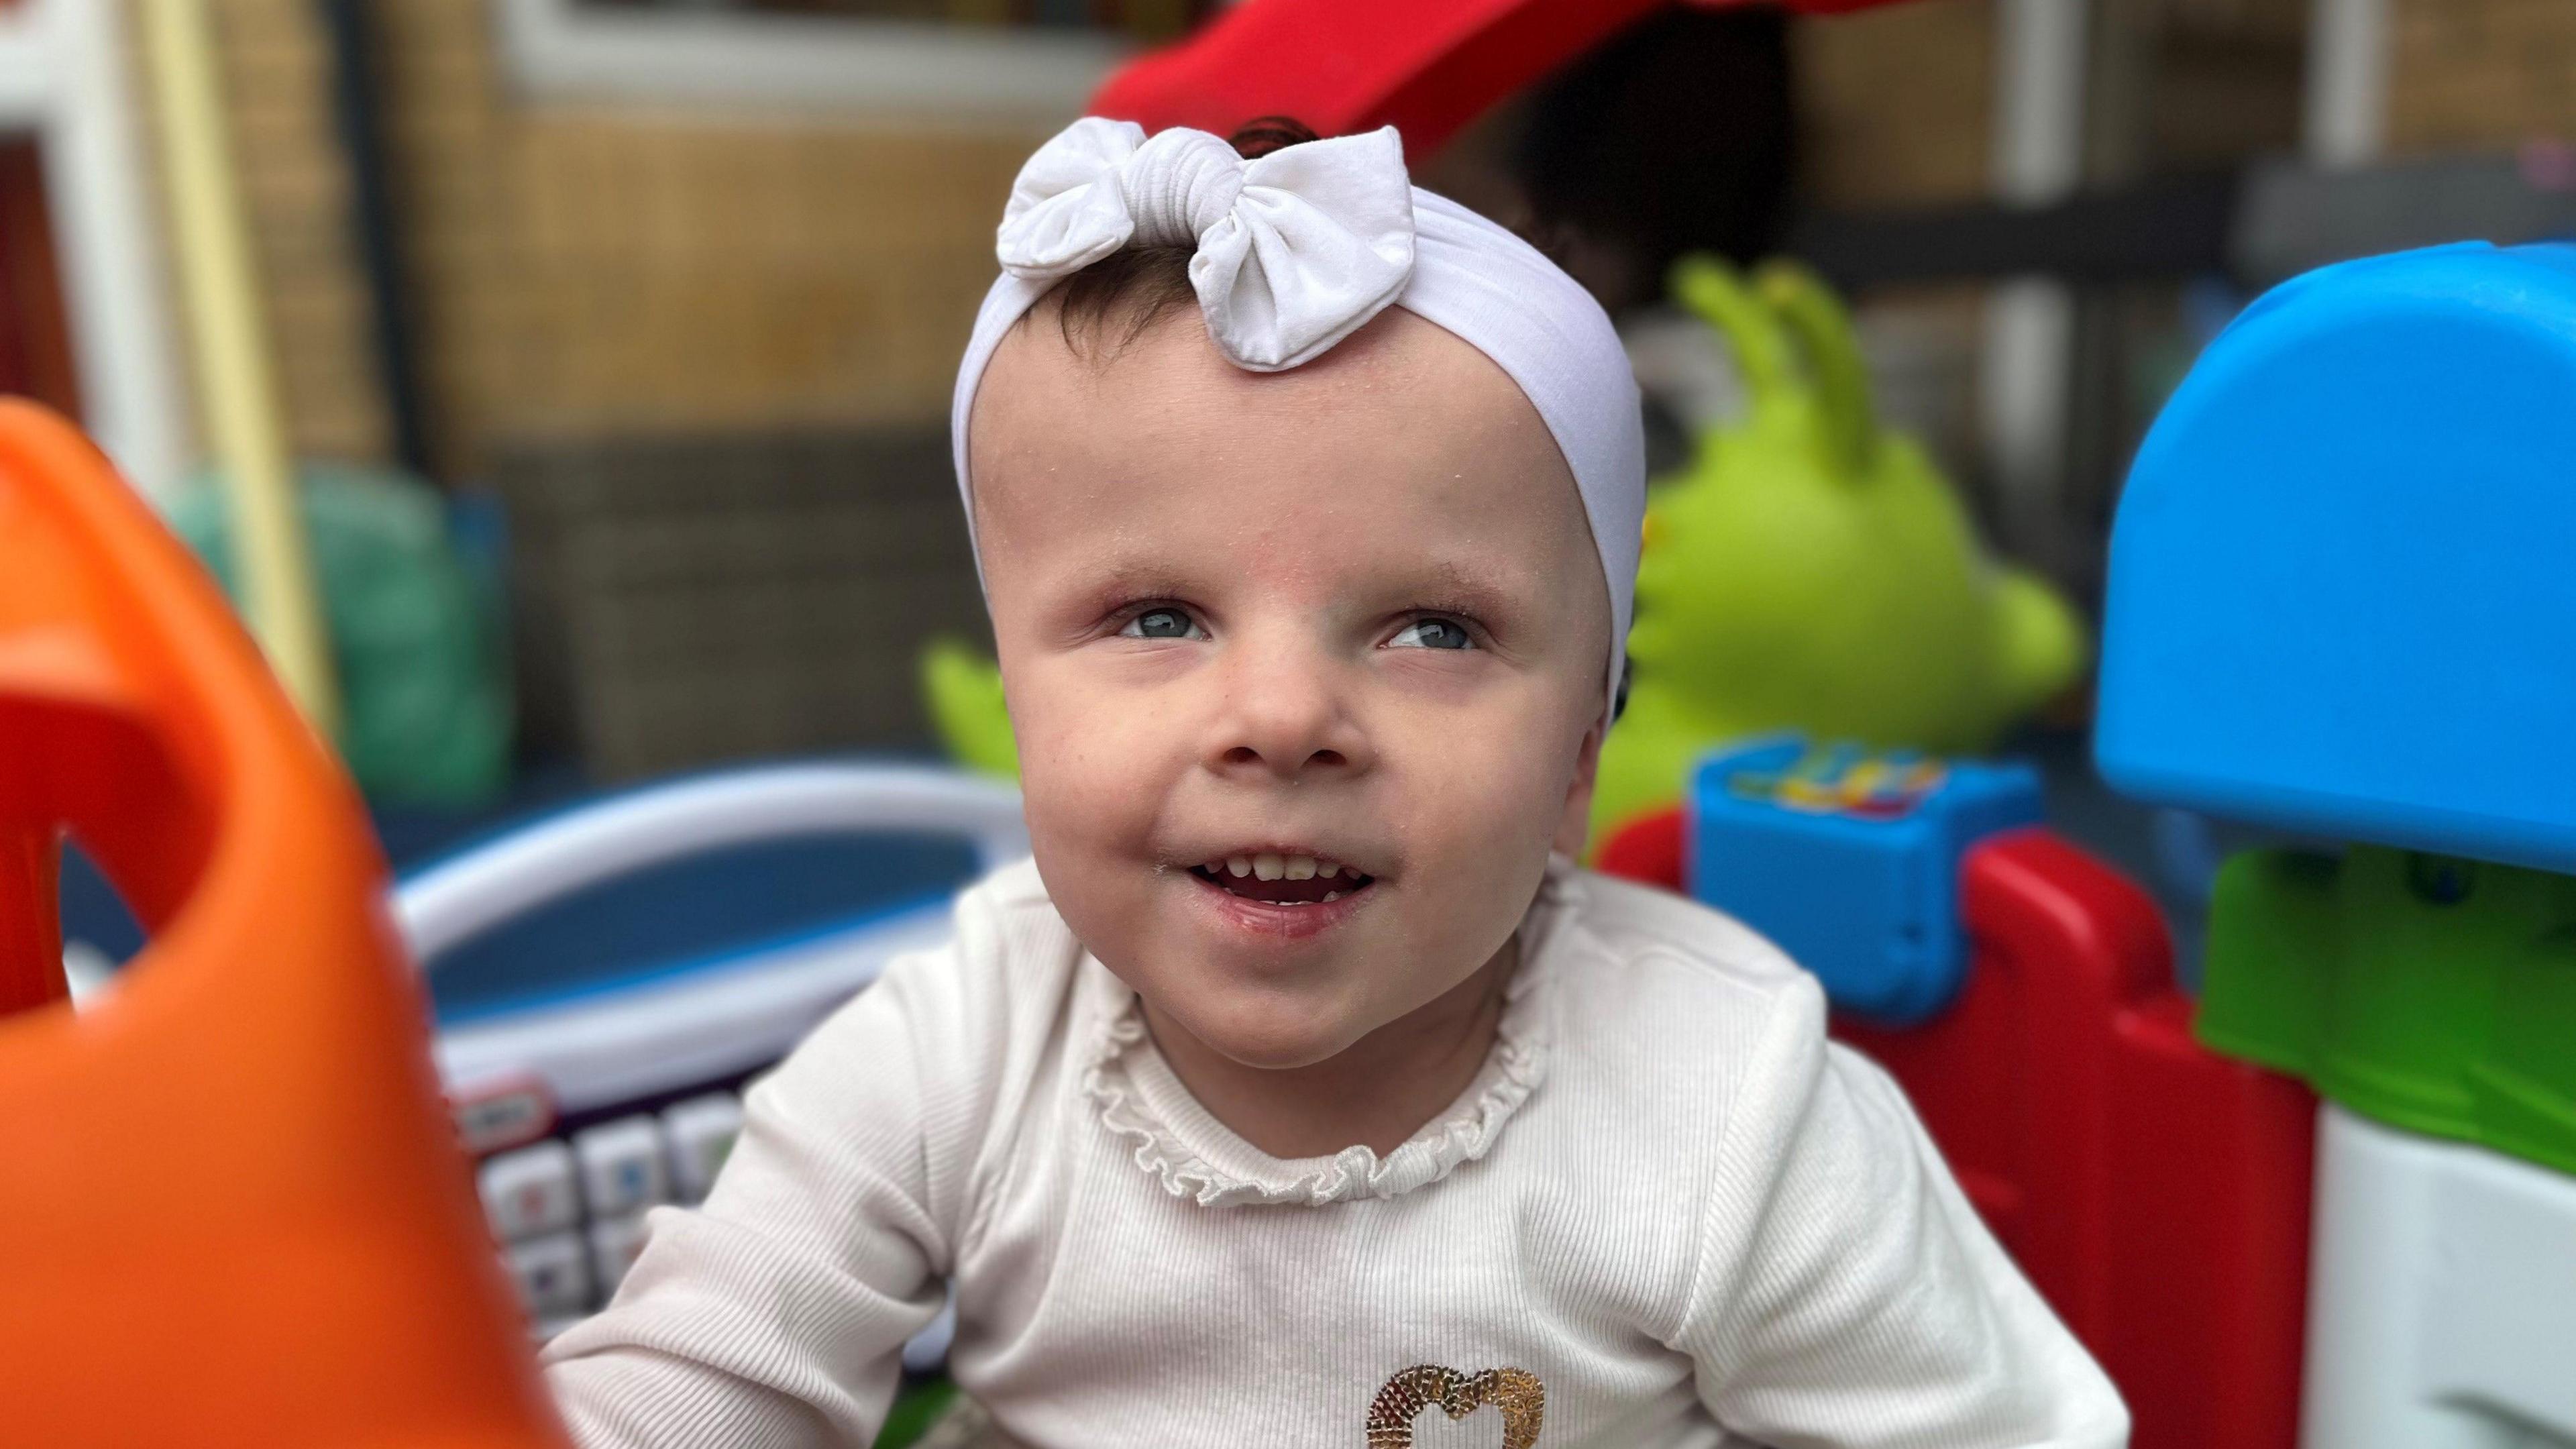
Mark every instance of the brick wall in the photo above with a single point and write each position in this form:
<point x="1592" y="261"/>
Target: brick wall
<point x="587" y="272"/>
<point x="2480" y="74"/>
<point x="1896" y="103"/>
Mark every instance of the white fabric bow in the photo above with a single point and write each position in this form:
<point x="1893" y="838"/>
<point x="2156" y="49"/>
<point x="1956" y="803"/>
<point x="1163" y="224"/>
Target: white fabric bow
<point x="1296" y="250"/>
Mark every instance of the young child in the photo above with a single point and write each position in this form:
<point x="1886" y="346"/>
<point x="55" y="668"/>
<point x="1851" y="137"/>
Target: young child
<point x="1301" y="1083"/>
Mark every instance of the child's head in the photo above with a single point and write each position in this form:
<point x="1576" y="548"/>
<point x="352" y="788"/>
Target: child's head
<point x="1350" y="608"/>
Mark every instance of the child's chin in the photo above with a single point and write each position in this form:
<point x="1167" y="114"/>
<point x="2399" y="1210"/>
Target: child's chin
<point x="1276" y="1041"/>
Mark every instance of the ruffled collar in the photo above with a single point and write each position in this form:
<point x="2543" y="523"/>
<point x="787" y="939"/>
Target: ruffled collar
<point x="1180" y="1142"/>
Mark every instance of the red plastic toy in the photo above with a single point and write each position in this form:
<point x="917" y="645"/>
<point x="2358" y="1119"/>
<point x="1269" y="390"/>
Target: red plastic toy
<point x="2155" y="1192"/>
<point x="1426" y="67"/>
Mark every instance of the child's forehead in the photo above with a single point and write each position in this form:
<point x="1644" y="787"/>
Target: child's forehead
<point x="1402" y="417"/>
<point x="1398" y="373"/>
<point x="1404" y="463"/>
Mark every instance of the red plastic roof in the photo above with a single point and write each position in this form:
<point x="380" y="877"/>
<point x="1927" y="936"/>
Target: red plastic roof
<point x="1426" y="67"/>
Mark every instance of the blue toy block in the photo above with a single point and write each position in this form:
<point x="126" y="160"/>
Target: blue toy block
<point x="2341" y="596"/>
<point x="1849" y="859"/>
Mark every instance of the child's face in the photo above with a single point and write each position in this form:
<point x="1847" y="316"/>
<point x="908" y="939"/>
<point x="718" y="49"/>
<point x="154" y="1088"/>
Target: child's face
<point x="1230" y="609"/>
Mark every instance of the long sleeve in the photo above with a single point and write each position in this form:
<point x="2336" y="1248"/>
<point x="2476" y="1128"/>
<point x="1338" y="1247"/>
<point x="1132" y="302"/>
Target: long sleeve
<point x="774" y="1315"/>
<point x="1847" y="1294"/>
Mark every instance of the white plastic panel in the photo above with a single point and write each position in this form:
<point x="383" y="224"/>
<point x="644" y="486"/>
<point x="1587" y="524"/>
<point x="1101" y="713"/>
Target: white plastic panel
<point x="2442" y="1306"/>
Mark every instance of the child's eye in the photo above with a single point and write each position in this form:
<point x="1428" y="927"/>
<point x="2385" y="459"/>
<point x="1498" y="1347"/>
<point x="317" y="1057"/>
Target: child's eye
<point x="1160" y="622"/>
<point x="1434" y="634"/>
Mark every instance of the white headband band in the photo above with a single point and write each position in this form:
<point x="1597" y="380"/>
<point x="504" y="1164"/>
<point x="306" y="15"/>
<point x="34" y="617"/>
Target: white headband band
<point x="1300" y="248"/>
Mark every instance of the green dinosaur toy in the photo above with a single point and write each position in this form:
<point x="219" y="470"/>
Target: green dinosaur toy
<point x="1810" y="570"/>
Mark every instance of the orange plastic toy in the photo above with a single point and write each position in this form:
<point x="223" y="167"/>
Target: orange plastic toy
<point x="231" y="1208"/>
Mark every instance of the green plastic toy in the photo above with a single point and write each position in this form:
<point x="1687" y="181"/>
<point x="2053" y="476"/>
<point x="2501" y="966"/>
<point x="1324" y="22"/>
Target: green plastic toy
<point x="1810" y="571"/>
<point x="416" y="631"/>
<point x="2426" y="992"/>
<point x="963" y="691"/>
<point x="1813" y="571"/>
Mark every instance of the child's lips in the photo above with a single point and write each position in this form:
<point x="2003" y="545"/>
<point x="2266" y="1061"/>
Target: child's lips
<point x="1292" y="909"/>
<point x="1282" y="890"/>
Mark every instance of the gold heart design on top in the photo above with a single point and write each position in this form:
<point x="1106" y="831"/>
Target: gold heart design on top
<point x="1517" y="1392"/>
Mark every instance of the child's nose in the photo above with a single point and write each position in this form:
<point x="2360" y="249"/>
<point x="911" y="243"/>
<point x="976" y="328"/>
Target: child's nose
<point x="1289" y="717"/>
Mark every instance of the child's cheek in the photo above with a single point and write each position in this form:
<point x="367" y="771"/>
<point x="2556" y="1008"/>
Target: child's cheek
<point x="1494" y="783"/>
<point x="1089" y="774"/>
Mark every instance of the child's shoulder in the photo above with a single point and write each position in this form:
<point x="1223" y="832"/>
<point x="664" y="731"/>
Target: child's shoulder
<point x="968" y="993"/>
<point x="1666" y="991"/>
<point x="1005" y="924"/>
<point x="1687" y="1043"/>
<point x="1671" y="939"/>
<point x="1007" y="939"/>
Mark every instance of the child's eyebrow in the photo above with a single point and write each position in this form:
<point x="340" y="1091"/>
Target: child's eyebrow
<point x="1098" y="587"/>
<point x="1446" y="583"/>
<point x="1132" y="579"/>
<point x="1442" y="584"/>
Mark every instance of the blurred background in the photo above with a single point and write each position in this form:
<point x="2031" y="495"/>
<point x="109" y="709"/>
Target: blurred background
<point x="613" y="338"/>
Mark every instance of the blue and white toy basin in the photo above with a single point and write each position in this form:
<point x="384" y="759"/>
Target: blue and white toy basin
<point x="608" y="978"/>
<point x="2342" y="592"/>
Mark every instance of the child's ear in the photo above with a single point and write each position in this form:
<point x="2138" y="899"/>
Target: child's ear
<point x="1574" y="827"/>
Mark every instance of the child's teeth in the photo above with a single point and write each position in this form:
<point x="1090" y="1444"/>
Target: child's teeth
<point x="1300" y="867"/>
<point x="1267" y="866"/>
<point x="1327" y="869"/>
<point x="1332" y="895"/>
<point x="1237" y="866"/>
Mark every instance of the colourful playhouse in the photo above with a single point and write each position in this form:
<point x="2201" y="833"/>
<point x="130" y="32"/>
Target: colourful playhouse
<point x="2331" y="612"/>
<point x="2340" y="605"/>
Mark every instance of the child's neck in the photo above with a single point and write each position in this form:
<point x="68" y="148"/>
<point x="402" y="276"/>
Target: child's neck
<point x="1377" y="1092"/>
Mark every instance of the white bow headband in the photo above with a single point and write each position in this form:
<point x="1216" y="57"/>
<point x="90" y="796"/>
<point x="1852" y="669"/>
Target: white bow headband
<point x="1300" y="248"/>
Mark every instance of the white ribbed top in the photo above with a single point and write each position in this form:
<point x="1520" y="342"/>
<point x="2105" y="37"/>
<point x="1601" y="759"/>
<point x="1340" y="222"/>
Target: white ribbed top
<point x="1666" y="1197"/>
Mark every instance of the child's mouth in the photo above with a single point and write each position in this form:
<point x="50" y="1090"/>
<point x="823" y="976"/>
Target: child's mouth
<point x="1295" y="880"/>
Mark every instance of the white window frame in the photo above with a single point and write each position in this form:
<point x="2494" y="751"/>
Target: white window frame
<point x="63" y="80"/>
<point x="562" y="50"/>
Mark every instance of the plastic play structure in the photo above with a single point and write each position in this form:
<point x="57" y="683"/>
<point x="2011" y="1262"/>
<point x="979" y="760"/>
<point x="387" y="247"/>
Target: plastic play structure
<point x="328" y="1275"/>
<point x="2340" y="604"/>
<point x="1354" y="65"/>
<point x="235" y="1215"/>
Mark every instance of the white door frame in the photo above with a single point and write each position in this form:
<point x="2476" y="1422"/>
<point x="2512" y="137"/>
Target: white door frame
<point x="63" y="78"/>
<point x="907" y="72"/>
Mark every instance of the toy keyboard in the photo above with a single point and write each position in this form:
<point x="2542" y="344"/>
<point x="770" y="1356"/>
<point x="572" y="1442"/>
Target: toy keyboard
<point x="609" y="978"/>
<point x="569" y="1208"/>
